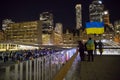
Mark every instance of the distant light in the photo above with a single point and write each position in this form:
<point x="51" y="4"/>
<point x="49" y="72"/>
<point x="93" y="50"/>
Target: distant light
<point x="103" y="40"/>
<point x="103" y="34"/>
<point x="105" y="12"/>
<point x="100" y="2"/>
<point x="118" y="31"/>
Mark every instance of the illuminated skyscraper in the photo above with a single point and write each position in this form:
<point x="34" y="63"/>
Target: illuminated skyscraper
<point x="106" y="18"/>
<point x="78" y="16"/>
<point x="47" y="19"/>
<point x="47" y="27"/>
<point x="96" y="11"/>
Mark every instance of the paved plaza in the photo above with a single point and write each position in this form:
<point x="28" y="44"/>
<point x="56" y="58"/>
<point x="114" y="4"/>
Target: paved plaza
<point x="103" y="68"/>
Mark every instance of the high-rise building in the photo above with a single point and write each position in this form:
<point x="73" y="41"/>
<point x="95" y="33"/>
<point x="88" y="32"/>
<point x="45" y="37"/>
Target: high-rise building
<point x="106" y="18"/>
<point x="78" y="16"/>
<point x="47" y="19"/>
<point x="96" y="11"/>
<point x="47" y="27"/>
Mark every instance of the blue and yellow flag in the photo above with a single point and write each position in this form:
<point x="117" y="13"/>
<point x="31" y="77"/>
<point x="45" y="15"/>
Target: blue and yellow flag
<point x="95" y="27"/>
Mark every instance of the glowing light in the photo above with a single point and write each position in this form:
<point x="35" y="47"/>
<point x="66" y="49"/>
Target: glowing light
<point x="22" y="47"/>
<point x="106" y="12"/>
<point x="100" y="2"/>
<point x="104" y="40"/>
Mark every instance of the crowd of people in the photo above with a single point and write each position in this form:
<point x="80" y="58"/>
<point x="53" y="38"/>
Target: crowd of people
<point x="24" y="55"/>
<point x="90" y="46"/>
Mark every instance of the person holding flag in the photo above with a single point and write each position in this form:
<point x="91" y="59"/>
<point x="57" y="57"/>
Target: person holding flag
<point x="90" y="48"/>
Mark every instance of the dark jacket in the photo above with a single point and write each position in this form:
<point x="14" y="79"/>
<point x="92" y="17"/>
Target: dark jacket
<point x="81" y="46"/>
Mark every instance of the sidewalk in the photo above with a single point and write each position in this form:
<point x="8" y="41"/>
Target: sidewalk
<point x="103" y="68"/>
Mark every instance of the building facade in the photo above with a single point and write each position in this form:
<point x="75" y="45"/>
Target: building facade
<point x="96" y="11"/>
<point x="78" y="8"/>
<point x="68" y="38"/>
<point x="2" y="36"/>
<point x="59" y="28"/>
<point x="117" y="31"/>
<point x="117" y="26"/>
<point x="25" y="32"/>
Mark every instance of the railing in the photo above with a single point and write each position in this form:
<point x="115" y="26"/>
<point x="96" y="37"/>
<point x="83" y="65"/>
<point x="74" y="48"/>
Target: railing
<point x="63" y="71"/>
<point x="47" y="67"/>
<point x="43" y="68"/>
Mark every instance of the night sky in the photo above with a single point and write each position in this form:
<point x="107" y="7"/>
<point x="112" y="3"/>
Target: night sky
<point x="63" y="10"/>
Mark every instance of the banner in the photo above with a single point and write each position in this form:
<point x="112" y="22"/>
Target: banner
<point x="95" y="27"/>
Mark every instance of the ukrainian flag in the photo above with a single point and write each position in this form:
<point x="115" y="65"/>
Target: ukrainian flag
<point x="95" y="27"/>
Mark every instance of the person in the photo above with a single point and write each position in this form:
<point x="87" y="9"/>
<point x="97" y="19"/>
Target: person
<point x="95" y="52"/>
<point x="90" y="47"/>
<point x="81" y="50"/>
<point x="100" y="47"/>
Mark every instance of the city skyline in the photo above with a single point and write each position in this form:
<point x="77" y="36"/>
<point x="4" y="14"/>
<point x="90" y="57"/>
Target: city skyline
<point x="63" y="11"/>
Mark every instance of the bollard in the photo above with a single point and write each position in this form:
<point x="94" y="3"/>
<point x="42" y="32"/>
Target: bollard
<point x="26" y="70"/>
<point x="39" y="65"/>
<point x="45" y="68"/>
<point x="21" y="71"/>
<point x="37" y="69"/>
<point x="7" y="73"/>
<point x="30" y="61"/>
<point x="16" y="71"/>
<point x="34" y="69"/>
